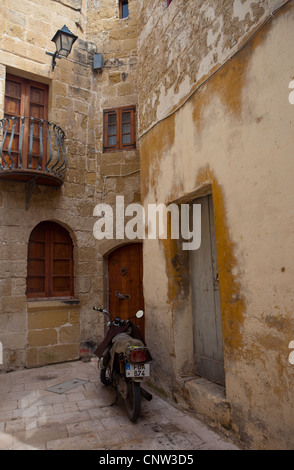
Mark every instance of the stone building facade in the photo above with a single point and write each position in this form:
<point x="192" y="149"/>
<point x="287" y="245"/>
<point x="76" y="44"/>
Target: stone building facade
<point x="210" y="85"/>
<point x="38" y="331"/>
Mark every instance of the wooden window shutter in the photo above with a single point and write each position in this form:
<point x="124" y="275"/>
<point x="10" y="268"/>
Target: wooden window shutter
<point x="37" y="263"/>
<point x="61" y="275"/>
<point x="119" y="129"/>
<point x="50" y="262"/>
<point x="25" y="98"/>
<point x="111" y="123"/>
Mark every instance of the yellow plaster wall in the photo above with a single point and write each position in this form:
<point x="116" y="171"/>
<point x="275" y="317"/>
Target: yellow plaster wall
<point x="235" y="136"/>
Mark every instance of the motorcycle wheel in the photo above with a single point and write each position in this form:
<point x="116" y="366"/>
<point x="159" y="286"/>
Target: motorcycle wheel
<point x="133" y="401"/>
<point x="104" y="376"/>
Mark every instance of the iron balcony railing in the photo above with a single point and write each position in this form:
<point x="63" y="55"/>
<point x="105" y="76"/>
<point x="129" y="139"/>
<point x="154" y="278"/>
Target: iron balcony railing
<point x="32" y="145"/>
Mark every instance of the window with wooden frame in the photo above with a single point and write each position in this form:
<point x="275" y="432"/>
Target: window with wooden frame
<point x="50" y="262"/>
<point x="119" y="129"/>
<point x="25" y="98"/>
<point x="123" y="8"/>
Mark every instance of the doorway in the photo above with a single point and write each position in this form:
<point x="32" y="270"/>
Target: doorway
<point x="125" y="283"/>
<point x="208" y="340"/>
<point x="25" y="99"/>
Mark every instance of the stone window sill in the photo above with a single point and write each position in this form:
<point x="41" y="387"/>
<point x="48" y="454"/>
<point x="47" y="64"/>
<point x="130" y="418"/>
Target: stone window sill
<point x="34" y="305"/>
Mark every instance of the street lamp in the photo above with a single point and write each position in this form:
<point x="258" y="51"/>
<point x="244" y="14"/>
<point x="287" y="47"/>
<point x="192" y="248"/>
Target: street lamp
<point x="63" y="40"/>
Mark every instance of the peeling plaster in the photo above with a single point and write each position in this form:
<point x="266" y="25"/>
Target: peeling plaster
<point x="291" y="357"/>
<point x="201" y="39"/>
<point x="166" y="95"/>
<point x="242" y="9"/>
<point x="235" y="134"/>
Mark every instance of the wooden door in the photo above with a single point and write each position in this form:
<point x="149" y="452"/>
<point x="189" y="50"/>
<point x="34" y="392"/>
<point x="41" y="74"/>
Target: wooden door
<point x="24" y="98"/>
<point x="208" y="342"/>
<point x="125" y="279"/>
<point x="14" y="106"/>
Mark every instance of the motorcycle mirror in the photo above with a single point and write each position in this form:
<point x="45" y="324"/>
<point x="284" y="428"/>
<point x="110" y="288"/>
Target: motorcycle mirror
<point x="139" y="314"/>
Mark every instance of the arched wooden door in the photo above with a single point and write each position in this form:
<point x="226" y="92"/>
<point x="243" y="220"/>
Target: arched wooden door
<point x="125" y="282"/>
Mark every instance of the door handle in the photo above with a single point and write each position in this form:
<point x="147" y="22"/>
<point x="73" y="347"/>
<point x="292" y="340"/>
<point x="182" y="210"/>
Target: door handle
<point x="122" y="296"/>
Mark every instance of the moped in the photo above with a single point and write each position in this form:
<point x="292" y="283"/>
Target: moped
<point x="124" y="362"/>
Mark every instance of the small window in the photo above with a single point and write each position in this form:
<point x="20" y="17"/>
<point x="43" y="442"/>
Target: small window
<point x="50" y="262"/>
<point x="119" y="129"/>
<point x="123" y="8"/>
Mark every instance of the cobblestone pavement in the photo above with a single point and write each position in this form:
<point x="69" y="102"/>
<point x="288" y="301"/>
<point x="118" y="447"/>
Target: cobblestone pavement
<point x="83" y="418"/>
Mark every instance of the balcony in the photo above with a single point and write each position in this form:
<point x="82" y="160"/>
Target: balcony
<point x="32" y="151"/>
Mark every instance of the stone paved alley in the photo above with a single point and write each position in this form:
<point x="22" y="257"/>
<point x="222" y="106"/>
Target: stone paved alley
<point x="32" y="417"/>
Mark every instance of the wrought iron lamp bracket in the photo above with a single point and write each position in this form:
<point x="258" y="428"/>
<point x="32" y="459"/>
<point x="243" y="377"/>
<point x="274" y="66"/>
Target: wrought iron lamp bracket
<point x="54" y="56"/>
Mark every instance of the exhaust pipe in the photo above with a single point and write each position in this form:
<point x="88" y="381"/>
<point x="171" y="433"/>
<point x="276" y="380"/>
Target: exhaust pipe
<point x="146" y="394"/>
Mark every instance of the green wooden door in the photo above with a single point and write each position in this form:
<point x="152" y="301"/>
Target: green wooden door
<point x="208" y="340"/>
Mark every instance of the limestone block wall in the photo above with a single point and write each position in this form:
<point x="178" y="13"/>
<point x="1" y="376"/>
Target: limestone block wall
<point x="53" y="332"/>
<point x="77" y="97"/>
<point x="116" y="39"/>
<point x="2" y="87"/>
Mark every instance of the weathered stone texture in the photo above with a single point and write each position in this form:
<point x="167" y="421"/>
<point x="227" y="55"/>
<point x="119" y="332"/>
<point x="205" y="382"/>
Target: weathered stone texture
<point x="2" y="91"/>
<point x="172" y="62"/>
<point x="52" y="326"/>
<point x="232" y="138"/>
<point x="77" y="98"/>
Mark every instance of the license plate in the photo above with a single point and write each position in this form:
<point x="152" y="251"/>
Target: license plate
<point x="137" y="370"/>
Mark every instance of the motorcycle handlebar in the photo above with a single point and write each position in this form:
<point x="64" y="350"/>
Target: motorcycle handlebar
<point x="116" y="322"/>
<point x="99" y="309"/>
